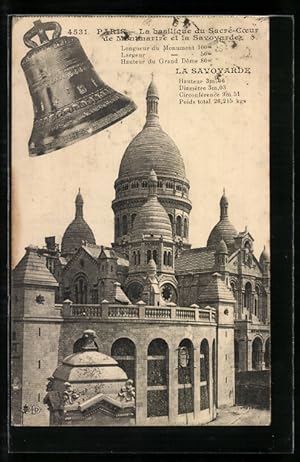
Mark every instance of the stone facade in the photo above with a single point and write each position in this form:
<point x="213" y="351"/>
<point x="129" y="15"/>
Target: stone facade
<point x="179" y="321"/>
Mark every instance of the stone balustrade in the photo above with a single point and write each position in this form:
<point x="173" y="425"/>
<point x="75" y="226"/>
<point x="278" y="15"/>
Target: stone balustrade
<point x="106" y="311"/>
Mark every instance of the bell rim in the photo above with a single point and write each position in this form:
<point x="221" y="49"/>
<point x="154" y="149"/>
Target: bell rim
<point x="101" y="124"/>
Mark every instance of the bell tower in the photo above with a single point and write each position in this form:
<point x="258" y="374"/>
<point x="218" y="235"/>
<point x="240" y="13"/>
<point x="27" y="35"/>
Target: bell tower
<point x="152" y="148"/>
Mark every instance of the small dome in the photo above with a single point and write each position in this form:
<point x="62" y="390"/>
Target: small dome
<point x="77" y="231"/>
<point x="88" y="365"/>
<point x="152" y="219"/>
<point x="264" y="256"/>
<point x="223" y="230"/>
<point x="222" y="247"/>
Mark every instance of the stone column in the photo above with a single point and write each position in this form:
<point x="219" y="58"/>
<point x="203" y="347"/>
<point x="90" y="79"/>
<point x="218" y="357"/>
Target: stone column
<point x="243" y="355"/>
<point x="211" y="379"/>
<point x="249" y="358"/>
<point x="196" y="383"/>
<point x="173" y="382"/>
<point x="262" y="357"/>
<point x="141" y="384"/>
<point x="160" y="256"/>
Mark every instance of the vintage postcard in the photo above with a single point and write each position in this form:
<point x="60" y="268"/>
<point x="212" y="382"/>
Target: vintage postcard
<point x="140" y="221"/>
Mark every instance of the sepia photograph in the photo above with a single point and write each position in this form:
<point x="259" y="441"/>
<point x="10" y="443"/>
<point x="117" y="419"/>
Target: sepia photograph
<point x="140" y="182"/>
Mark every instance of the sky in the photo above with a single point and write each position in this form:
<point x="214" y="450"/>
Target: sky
<point x="223" y="146"/>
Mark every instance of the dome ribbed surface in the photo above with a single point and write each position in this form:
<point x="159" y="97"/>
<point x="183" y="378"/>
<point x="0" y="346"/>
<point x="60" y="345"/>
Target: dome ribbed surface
<point x="152" y="219"/>
<point x="76" y="232"/>
<point x="152" y="148"/>
<point x="223" y="230"/>
<point x="222" y="247"/>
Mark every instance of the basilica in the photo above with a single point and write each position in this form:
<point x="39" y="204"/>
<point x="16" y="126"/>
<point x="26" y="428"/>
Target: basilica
<point x="179" y="322"/>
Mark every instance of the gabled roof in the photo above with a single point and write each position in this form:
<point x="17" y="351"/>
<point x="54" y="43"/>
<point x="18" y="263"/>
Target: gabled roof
<point x="93" y="250"/>
<point x="194" y="260"/>
<point x="216" y="291"/>
<point x="96" y="251"/>
<point x="33" y="270"/>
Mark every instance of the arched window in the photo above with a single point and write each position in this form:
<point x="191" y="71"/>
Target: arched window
<point x="185" y="377"/>
<point x="133" y="216"/>
<point x="178" y="187"/>
<point x="171" y="220"/>
<point x="185" y="228"/>
<point x="233" y="289"/>
<point x="257" y="354"/>
<point x="148" y="255"/>
<point x="169" y="259"/>
<point x="256" y="300"/>
<point x="155" y="256"/>
<point x="204" y="375"/>
<point x="248" y="296"/>
<point x="267" y="357"/>
<point x="117" y="227"/>
<point x="159" y="184"/>
<point x="81" y="289"/>
<point x="178" y="226"/>
<point x="123" y="351"/>
<point x="144" y="184"/>
<point x="124" y="224"/>
<point x="138" y="257"/>
<point x="134" y="185"/>
<point x="169" y="185"/>
<point x="157" y="379"/>
<point x="134" y="257"/>
<point x="165" y="258"/>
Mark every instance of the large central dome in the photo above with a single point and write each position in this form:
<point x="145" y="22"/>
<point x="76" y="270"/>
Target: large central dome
<point x="152" y="148"/>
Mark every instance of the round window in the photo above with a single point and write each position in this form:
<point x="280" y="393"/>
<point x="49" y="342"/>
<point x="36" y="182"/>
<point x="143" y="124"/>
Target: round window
<point x="168" y="293"/>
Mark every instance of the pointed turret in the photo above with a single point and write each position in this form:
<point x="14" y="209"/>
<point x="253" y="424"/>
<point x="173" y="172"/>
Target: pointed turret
<point x="78" y="231"/>
<point x="152" y="99"/>
<point x="79" y="205"/>
<point x="223" y="206"/>
<point x="223" y="230"/>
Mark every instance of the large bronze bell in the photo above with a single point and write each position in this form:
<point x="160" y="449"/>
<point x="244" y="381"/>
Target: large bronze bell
<point x="70" y="101"/>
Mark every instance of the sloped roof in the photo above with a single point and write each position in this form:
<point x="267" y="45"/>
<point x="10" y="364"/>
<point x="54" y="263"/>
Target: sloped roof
<point x="33" y="270"/>
<point x="216" y="291"/>
<point x="95" y="250"/>
<point x="193" y="260"/>
<point x="120" y="296"/>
